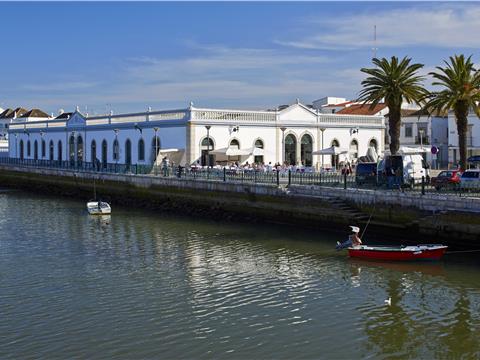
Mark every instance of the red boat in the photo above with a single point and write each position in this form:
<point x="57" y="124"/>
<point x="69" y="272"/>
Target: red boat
<point x="398" y="253"/>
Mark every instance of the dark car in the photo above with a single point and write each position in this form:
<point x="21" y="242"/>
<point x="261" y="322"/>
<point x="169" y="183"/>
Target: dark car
<point x="366" y="173"/>
<point x="446" y="179"/>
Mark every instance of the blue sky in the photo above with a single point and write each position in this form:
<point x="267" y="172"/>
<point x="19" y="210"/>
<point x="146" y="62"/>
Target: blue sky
<point x="128" y="56"/>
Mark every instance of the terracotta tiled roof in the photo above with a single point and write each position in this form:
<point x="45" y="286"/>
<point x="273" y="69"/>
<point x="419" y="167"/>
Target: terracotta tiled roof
<point x="5" y="113"/>
<point x="65" y="115"/>
<point x="362" y="109"/>
<point x="35" y="113"/>
<point x="9" y="113"/>
<point x="340" y="104"/>
<point x="421" y="112"/>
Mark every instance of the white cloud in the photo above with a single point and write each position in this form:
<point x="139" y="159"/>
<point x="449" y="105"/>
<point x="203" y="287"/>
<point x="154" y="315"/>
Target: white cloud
<point x="59" y="86"/>
<point x="446" y="26"/>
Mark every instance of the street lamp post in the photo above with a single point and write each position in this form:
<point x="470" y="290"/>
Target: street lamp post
<point x="116" y="148"/>
<point x="155" y="129"/>
<point x="283" y="144"/>
<point x="322" y="130"/>
<point x="16" y="148"/>
<point x="208" y="145"/>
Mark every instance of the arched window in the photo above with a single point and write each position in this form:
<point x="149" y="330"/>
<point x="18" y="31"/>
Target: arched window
<point x="35" y="150"/>
<point x="306" y="150"/>
<point x="43" y="148"/>
<point x="60" y="152"/>
<point x="335" y="158"/>
<point x="21" y="150"/>
<point x="71" y="149"/>
<point x="353" y="150"/>
<point x="290" y="149"/>
<point x="373" y="143"/>
<point x="93" y="152"/>
<point x="128" y="152"/>
<point x="207" y="145"/>
<point x="116" y="151"/>
<point x="258" y="152"/>
<point x="141" y="150"/>
<point x="50" y="150"/>
<point x="104" y="153"/>
<point x="28" y="149"/>
<point x="79" y="150"/>
<point x="156" y="146"/>
<point x="235" y="143"/>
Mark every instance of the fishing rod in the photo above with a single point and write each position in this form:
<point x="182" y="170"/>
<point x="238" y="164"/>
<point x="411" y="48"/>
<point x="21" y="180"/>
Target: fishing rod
<point x="368" y="222"/>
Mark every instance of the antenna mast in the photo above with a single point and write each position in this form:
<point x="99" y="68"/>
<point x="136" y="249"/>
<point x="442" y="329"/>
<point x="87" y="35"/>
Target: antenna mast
<point x="374" y="41"/>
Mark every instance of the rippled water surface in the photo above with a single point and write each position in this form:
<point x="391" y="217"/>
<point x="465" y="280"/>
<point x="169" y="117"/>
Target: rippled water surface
<point x="143" y="285"/>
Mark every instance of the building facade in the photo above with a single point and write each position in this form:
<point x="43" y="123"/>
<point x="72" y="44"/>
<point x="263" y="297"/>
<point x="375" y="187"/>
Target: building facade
<point x="473" y="138"/>
<point x="198" y="136"/>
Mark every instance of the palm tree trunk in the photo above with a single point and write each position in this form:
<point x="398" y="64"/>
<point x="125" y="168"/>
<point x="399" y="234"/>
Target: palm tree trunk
<point x="394" y="121"/>
<point x="462" y="141"/>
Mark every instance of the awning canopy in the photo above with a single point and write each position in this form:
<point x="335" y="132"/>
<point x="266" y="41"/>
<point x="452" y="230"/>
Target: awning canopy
<point x="231" y="151"/>
<point x="332" y="150"/>
<point x="169" y="151"/>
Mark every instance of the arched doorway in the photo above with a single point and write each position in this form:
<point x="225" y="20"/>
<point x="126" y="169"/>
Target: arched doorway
<point x="21" y="150"/>
<point x="335" y="158"/>
<point x="353" y="151"/>
<point x="93" y="153"/>
<point x="35" y="150"/>
<point x="306" y="150"/>
<point x="79" y="150"/>
<point x="60" y="151"/>
<point x="290" y="149"/>
<point x="128" y="152"/>
<point x="373" y="143"/>
<point x="258" y="158"/>
<point x="206" y="146"/>
<point x="156" y="146"/>
<point x="43" y="149"/>
<point x="104" y="153"/>
<point x="50" y="150"/>
<point x="29" y="152"/>
<point x="141" y="150"/>
<point x="71" y="150"/>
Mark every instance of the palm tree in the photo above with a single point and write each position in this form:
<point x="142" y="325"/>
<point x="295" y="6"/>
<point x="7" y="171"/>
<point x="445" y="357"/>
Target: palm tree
<point x="393" y="82"/>
<point x="461" y="94"/>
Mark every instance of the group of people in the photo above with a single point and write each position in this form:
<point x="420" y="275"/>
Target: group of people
<point x="259" y="167"/>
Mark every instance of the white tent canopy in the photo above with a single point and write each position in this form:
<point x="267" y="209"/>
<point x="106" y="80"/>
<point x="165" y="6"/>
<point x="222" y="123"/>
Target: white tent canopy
<point x="332" y="150"/>
<point x="231" y="151"/>
<point x="405" y="150"/>
<point x="168" y="151"/>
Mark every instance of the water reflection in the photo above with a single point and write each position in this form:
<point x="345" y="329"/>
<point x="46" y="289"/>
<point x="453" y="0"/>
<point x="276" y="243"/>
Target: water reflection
<point x="142" y="285"/>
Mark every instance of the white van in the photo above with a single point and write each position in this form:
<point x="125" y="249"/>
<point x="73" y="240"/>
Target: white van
<point x="411" y="164"/>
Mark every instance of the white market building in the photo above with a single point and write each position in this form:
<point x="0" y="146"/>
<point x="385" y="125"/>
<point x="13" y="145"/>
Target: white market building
<point x="285" y="135"/>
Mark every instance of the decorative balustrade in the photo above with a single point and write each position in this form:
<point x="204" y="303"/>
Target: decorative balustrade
<point x="227" y="115"/>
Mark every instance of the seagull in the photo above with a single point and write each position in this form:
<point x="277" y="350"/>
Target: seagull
<point x="388" y="301"/>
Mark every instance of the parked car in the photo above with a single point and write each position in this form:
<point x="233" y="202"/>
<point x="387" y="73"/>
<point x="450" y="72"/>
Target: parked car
<point x="470" y="179"/>
<point x="446" y="179"/>
<point x="366" y="173"/>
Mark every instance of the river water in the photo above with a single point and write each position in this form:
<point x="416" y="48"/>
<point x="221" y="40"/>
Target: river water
<point x="144" y="285"/>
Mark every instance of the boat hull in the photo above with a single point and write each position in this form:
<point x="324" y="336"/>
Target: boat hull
<point x="94" y="208"/>
<point x="400" y="253"/>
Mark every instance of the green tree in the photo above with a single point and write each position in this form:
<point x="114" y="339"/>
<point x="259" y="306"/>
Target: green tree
<point x="461" y="94"/>
<point x="393" y="82"/>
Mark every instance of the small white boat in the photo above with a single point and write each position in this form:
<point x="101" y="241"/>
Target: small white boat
<point x="98" y="208"/>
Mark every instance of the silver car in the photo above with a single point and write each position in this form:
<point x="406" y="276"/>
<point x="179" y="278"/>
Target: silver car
<point x="470" y="179"/>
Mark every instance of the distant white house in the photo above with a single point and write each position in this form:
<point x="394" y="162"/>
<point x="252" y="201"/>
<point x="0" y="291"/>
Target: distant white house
<point x="285" y="135"/>
<point x="473" y="138"/>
